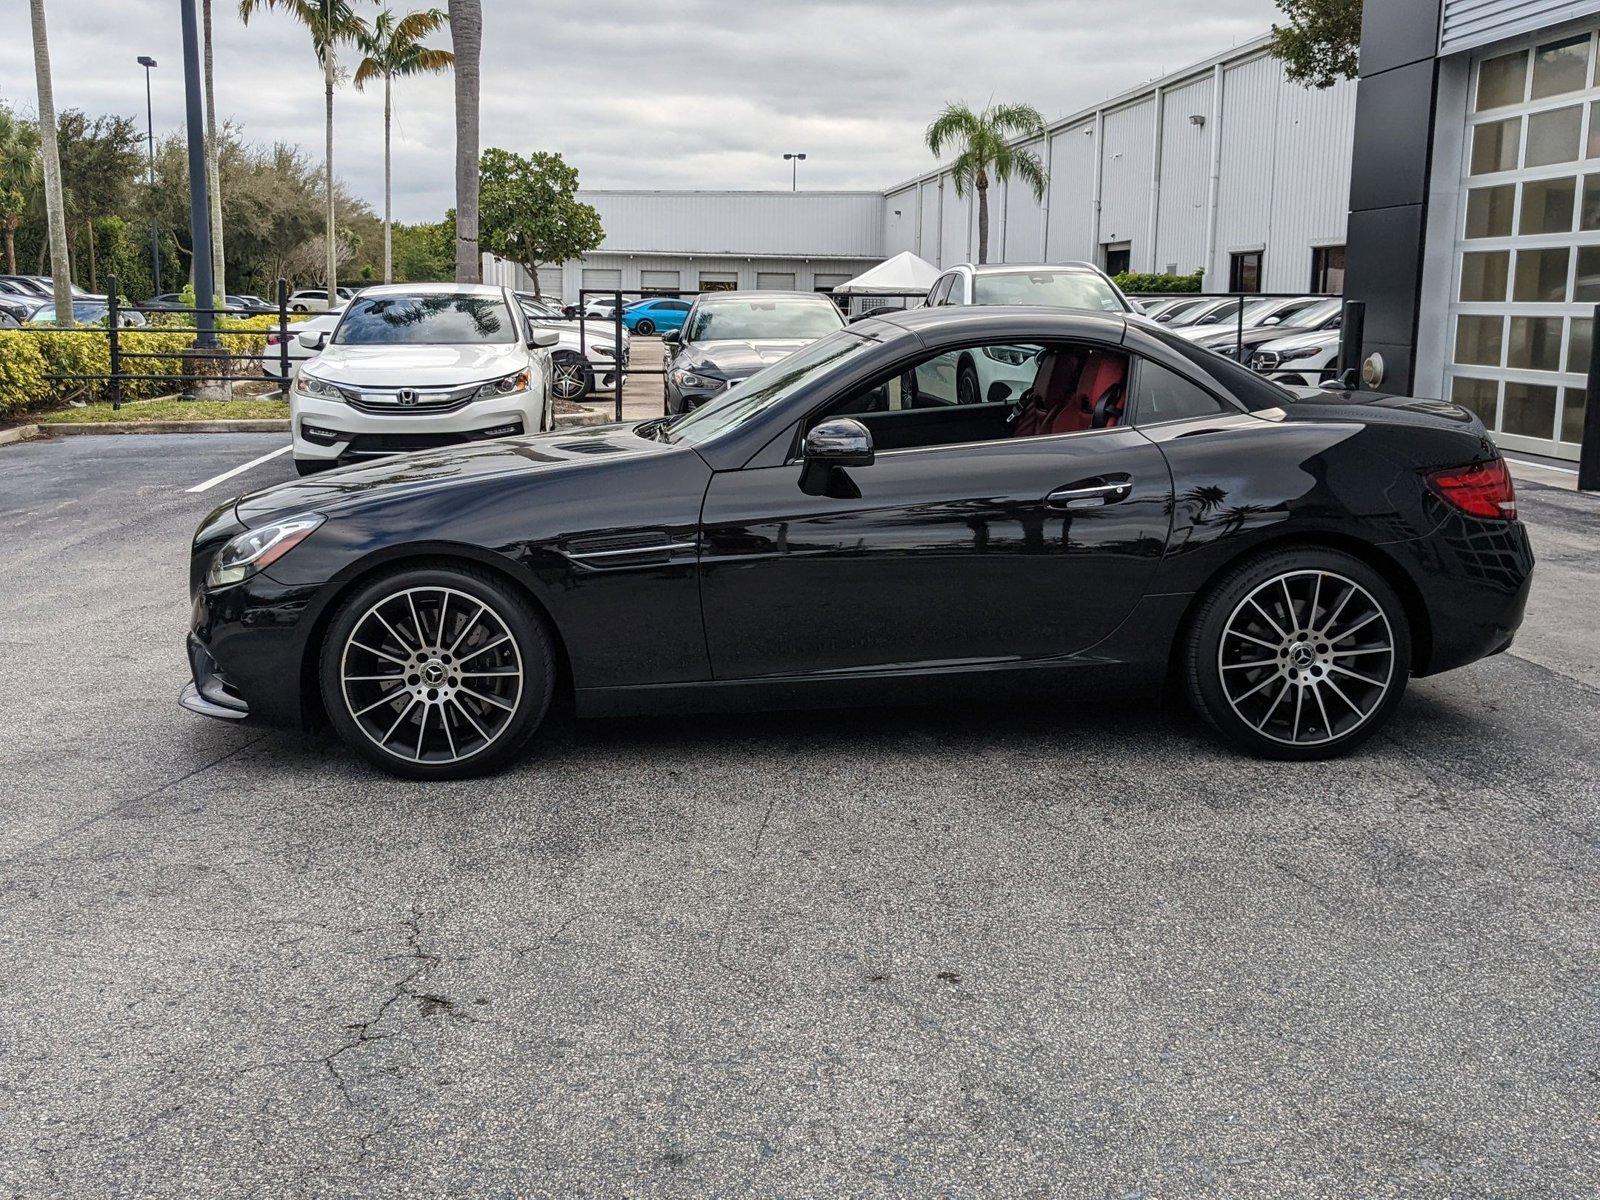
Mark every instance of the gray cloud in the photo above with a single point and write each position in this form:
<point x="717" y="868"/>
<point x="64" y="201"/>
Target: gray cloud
<point x="691" y="93"/>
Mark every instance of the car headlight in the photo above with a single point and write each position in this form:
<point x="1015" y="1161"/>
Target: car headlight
<point x="1009" y="355"/>
<point x="690" y="380"/>
<point x="510" y="385"/>
<point x="311" y="385"/>
<point x="1298" y="353"/>
<point x="603" y="351"/>
<point x="257" y="549"/>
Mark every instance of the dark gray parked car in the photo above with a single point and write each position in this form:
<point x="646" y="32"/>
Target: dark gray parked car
<point x="729" y="336"/>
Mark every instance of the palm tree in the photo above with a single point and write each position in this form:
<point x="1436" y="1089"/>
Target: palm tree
<point x="466" y="35"/>
<point x="330" y="23"/>
<point x="55" y="206"/>
<point x="219" y="270"/>
<point x="393" y="47"/>
<point x="19" y="175"/>
<point x="986" y="147"/>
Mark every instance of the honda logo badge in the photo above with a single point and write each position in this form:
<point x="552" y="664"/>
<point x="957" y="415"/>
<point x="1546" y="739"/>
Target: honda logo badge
<point x="406" y="396"/>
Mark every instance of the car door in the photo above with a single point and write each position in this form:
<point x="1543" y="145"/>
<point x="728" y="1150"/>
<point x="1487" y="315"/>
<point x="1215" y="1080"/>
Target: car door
<point x="998" y="549"/>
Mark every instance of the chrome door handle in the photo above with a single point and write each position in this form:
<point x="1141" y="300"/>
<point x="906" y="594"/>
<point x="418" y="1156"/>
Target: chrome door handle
<point x="1089" y="497"/>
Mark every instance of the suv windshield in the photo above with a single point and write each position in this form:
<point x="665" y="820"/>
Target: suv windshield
<point x="755" y="319"/>
<point x="748" y="400"/>
<point x="435" y="319"/>
<point x="1057" y="289"/>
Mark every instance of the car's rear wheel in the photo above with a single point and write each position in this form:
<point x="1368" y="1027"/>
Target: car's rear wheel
<point x="645" y="327"/>
<point x="1298" y="654"/>
<point x="571" y="376"/>
<point x="437" y="673"/>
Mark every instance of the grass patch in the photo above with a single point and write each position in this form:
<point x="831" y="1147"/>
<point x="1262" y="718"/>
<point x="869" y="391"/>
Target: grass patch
<point x="170" y="410"/>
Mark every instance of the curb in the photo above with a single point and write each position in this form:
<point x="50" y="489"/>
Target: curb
<point x="88" y="427"/>
<point x="20" y="434"/>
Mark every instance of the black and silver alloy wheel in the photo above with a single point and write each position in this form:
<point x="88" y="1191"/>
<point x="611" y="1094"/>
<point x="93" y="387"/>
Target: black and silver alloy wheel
<point x="571" y="377"/>
<point x="1301" y="654"/>
<point x="1306" y="657"/>
<point x="436" y="673"/>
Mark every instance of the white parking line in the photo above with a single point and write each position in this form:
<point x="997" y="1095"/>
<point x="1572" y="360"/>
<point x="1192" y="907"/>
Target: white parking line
<point x="1542" y="466"/>
<point x="240" y="469"/>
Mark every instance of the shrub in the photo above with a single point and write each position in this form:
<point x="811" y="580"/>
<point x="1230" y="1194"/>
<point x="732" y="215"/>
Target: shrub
<point x="22" y="372"/>
<point x="1139" y="283"/>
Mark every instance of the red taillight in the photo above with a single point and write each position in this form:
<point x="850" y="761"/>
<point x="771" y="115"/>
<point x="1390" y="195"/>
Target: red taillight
<point x="1481" y="490"/>
<point x="272" y="339"/>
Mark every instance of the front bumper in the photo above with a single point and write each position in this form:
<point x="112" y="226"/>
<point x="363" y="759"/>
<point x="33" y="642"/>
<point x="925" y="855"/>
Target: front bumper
<point x="329" y="430"/>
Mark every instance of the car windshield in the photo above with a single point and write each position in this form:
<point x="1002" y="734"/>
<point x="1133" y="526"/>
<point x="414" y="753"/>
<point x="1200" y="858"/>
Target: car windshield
<point x="748" y="400"/>
<point x="430" y="319"/>
<point x="755" y="319"/>
<point x="1314" y="315"/>
<point x="1057" y="289"/>
<point x="87" y="311"/>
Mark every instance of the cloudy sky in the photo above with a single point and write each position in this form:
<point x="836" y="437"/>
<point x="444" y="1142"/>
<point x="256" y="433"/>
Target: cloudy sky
<point x="696" y="93"/>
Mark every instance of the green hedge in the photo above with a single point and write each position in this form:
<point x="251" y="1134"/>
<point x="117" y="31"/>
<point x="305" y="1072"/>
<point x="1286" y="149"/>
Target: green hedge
<point x="1138" y="283"/>
<point x="27" y="357"/>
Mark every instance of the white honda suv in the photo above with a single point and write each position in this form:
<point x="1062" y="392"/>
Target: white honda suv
<point x="415" y="365"/>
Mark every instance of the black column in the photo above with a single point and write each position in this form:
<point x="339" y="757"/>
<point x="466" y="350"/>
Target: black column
<point x="1395" y="104"/>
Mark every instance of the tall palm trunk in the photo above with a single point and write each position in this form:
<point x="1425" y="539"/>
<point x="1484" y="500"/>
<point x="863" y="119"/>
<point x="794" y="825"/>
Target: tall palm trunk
<point x="50" y="148"/>
<point x="219" y="271"/>
<point x="11" y="245"/>
<point x="983" y="217"/>
<point x="466" y="37"/>
<point x="388" y="180"/>
<point x="333" y="257"/>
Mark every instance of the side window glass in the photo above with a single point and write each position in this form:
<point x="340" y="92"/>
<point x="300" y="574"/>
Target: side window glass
<point x="953" y="294"/>
<point x="941" y="289"/>
<point x="1164" y="395"/>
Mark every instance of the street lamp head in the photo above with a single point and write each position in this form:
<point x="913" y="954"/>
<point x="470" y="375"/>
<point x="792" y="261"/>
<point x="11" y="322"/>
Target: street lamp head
<point x="146" y="61"/>
<point x="787" y="157"/>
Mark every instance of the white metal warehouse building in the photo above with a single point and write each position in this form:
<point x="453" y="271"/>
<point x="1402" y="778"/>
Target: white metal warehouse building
<point x="1224" y="166"/>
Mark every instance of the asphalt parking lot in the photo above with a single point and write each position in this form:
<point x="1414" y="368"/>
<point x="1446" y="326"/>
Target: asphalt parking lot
<point x="1077" y="951"/>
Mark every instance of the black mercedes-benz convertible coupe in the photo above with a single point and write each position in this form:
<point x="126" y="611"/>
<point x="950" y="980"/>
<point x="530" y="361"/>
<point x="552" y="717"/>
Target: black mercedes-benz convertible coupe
<point x="1118" y="509"/>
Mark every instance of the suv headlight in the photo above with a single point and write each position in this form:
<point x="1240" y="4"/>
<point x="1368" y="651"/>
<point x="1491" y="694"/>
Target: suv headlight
<point x="503" y="387"/>
<point x="311" y="385"/>
<point x="255" y="550"/>
<point x="689" y="379"/>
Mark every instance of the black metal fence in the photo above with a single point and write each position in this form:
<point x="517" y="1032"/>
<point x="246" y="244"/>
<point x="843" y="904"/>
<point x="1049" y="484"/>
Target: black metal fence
<point x="123" y="335"/>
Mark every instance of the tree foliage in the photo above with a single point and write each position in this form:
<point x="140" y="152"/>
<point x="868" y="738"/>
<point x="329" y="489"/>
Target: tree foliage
<point x="1320" y="44"/>
<point x="529" y="212"/>
<point x="987" y="150"/>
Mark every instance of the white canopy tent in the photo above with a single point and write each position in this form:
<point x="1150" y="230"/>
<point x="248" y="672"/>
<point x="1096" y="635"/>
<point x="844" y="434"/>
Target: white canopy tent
<point x="896" y="282"/>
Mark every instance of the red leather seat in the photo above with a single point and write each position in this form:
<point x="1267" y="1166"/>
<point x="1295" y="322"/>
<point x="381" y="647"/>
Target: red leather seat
<point x="1102" y="378"/>
<point x="1053" y="390"/>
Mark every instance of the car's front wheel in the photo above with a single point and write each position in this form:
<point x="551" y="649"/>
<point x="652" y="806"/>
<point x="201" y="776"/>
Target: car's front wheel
<point x="1298" y="654"/>
<point x="571" y="376"/>
<point x="437" y="672"/>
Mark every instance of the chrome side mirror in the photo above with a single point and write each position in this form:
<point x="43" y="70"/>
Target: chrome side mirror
<point x="840" y="442"/>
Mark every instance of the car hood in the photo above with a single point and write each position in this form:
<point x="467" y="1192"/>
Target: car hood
<point x="1312" y="341"/>
<point x="419" y="366"/>
<point x="736" y="357"/>
<point x="448" y="466"/>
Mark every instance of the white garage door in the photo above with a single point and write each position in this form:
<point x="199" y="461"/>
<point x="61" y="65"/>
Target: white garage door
<point x="775" y="281"/>
<point x="551" y="282"/>
<point x="718" y="281"/>
<point x="597" y="277"/>
<point x="1527" y="257"/>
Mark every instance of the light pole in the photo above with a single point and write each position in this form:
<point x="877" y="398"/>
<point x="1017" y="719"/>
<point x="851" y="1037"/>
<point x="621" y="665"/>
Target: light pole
<point x="147" y="62"/>
<point x="794" y="161"/>
<point x="199" y="203"/>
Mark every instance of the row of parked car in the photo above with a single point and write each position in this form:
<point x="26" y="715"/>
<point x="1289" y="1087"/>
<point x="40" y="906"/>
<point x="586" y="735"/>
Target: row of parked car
<point x="30" y="300"/>
<point x="1293" y="339"/>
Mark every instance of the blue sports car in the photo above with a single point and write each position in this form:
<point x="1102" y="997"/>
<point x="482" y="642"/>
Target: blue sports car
<point x="655" y="315"/>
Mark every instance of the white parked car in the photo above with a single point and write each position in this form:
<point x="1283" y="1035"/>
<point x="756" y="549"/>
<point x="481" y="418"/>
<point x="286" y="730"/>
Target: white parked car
<point x="1257" y="313"/>
<point x="1002" y="373"/>
<point x="415" y="365"/>
<point x="581" y="362"/>
<point x="1303" y="359"/>
<point x="316" y="299"/>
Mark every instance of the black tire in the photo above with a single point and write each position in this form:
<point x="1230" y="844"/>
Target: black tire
<point x="299" y="308"/>
<point x="969" y="389"/>
<point x="314" y="466"/>
<point x="645" y="327"/>
<point x="584" y="373"/>
<point x="510" y="628"/>
<point x="1294" y="680"/>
